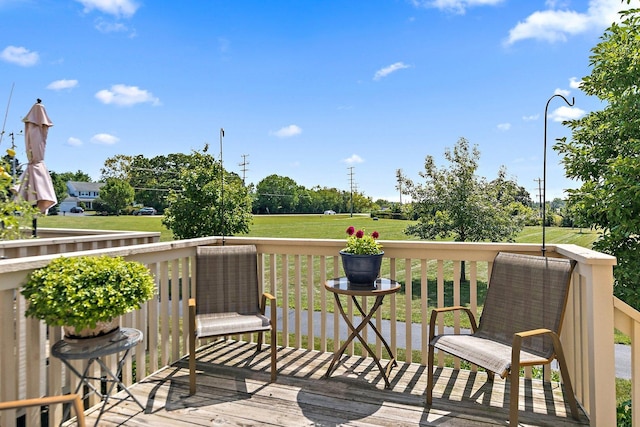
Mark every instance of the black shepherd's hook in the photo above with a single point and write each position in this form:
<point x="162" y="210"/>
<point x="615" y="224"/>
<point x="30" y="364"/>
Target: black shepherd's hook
<point x="544" y="170"/>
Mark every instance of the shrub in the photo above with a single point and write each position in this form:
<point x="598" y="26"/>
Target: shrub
<point x="82" y="291"/>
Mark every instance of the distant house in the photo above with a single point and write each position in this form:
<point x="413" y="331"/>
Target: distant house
<point x="81" y="192"/>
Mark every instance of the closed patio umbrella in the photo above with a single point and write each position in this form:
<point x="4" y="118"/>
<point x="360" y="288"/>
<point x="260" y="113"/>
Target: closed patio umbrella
<point x="35" y="183"/>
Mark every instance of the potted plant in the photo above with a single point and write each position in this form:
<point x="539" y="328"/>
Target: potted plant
<point x="85" y="294"/>
<point x="362" y="257"/>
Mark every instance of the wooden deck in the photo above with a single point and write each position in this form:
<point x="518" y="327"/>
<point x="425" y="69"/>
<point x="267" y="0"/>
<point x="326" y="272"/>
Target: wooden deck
<point x="234" y="390"/>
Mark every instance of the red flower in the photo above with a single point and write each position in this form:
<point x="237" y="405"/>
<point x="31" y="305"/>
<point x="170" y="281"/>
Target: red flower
<point x="375" y="234"/>
<point x="360" y="234"/>
<point x="351" y="230"/>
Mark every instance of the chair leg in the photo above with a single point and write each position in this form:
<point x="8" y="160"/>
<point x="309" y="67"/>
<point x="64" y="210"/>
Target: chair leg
<point x="192" y="368"/>
<point x="514" y="379"/>
<point x="430" y="375"/>
<point x="260" y="338"/>
<point x="192" y="349"/>
<point x="274" y="349"/>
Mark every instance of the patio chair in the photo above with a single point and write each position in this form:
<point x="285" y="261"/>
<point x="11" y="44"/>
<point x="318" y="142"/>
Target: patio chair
<point x="519" y="326"/>
<point x="227" y="300"/>
<point x="73" y="398"/>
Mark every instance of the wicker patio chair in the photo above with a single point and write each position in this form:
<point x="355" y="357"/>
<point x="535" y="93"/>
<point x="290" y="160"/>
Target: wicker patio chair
<point x="73" y="398"/>
<point x="519" y="326"/>
<point x="227" y="300"/>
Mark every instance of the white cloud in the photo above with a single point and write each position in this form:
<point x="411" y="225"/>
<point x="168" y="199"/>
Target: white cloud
<point x="117" y="8"/>
<point x="562" y="92"/>
<point x="456" y="6"/>
<point x="62" y="84"/>
<point x="553" y="25"/>
<point x="110" y="27"/>
<point x="74" y="142"/>
<point x="384" y="72"/>
<point x="353" y="159"/>
<point x="549" y="25"/>
<point x="20" y="56"/>
<point x="574" y="83"/>
<point x="504" y="126"/>
<point x="566" y="113"/>
<point x="126" y="96"/>
<point x="104" y="139"/>
<point x="531" y="117"/>
<point x="287" y="131"/>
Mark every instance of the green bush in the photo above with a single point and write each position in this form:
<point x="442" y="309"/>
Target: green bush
<point x="82" y="291"/>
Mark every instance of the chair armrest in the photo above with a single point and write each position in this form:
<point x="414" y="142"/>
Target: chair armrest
<point x="436" y="311"/>
<point x="263" y="302"/>
<point x="533" y="332"/>
<point x="73" y="398"/>
<point x="274" y="315"/>
<point x="517" y="344"/>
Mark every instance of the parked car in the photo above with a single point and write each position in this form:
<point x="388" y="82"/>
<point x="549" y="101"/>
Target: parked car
<point x="146" y="211"/>
<point x="76" y="209"/>
<point x="330" y="212"/>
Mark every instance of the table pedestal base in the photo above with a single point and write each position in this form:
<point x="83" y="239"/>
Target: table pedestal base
<point x="356" y="333"/>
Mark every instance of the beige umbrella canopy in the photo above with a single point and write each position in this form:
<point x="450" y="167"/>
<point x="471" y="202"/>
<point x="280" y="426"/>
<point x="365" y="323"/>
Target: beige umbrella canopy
<point x="35" y="182"/>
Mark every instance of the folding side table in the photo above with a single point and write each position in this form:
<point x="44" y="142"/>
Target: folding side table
<point x="378" y="289"/>
<point x="93" y="349"/>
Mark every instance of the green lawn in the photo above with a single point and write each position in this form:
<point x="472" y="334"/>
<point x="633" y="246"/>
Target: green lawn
<point x="305" y="226"/>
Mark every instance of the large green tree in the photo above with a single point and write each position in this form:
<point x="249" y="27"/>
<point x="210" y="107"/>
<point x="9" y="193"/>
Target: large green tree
<point x="277" y="194"/>
<point x="202" y="206"/>
<point x="454" y="202"/>
<point x="604" y="153"/>
<point x="117" y="194"/>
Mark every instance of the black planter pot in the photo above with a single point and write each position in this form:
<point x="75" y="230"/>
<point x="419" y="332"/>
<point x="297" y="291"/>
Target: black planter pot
<point x="361" y="269"/>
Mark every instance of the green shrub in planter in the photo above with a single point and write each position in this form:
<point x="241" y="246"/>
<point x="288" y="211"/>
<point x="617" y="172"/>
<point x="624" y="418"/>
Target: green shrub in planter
<point x="81" y="291"/>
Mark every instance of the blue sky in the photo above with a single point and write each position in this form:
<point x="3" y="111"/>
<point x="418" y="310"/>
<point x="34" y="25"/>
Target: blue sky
<point x="305" y="89"/>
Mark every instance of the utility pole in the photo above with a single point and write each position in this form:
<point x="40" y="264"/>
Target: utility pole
<point x="399" y="179"/>
<point x="221" y="187"/>
<point x="351" y="184"/>
<point x="539" y="181"/>
<point x="243" y="167"/>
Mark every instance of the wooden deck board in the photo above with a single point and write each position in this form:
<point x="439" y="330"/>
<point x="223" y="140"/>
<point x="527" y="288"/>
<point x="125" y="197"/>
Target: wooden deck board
<point x="234" y="390"/>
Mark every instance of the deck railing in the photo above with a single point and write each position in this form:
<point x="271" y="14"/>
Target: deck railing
<point x="56" y="241"/>
<point x="294" y="270"/>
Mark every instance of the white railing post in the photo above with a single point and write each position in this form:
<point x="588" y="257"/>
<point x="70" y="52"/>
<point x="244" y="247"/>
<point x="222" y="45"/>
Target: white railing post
<point x="599" y="311"/>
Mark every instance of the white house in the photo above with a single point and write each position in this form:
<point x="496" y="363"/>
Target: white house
<point x="81" y="192"/>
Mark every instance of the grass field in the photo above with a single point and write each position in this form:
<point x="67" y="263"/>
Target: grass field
<point x="305" y="226"/>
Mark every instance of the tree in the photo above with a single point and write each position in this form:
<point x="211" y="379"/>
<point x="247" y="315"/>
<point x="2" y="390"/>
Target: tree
<point x="604" y="153"/>
<point x="202" y="206"/>
<point x="276" y="194"/>
<point x="118" y="166"/>
<point x="15" y="214"/>
<point x="117" y="193"/>
<point x="455" y="202"/>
